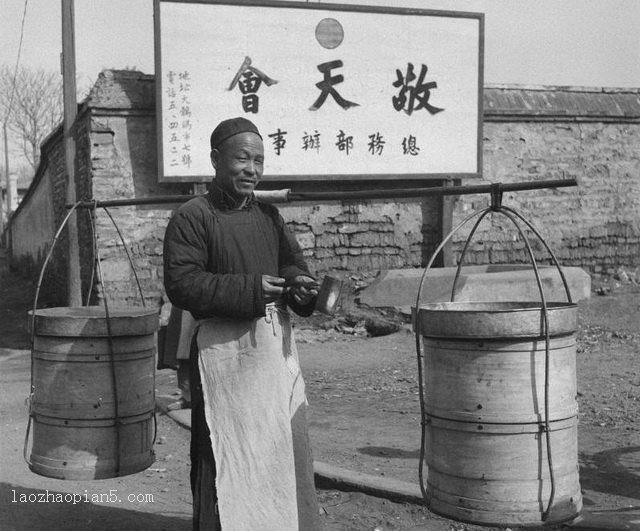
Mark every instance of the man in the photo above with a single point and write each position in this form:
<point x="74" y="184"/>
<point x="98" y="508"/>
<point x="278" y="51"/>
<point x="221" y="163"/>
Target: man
<point x="231" y="261"/>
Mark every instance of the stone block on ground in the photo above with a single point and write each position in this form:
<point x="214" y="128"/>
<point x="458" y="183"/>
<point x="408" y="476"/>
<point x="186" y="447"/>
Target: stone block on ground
<point x="490" y="283"/>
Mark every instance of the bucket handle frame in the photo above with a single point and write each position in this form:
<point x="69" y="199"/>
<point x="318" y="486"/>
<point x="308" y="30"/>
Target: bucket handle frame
<point x="511" y="214"/>
<point x="96" y="260"/>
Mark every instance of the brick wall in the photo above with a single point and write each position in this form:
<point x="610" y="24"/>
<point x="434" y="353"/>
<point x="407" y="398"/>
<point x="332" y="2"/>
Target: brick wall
<point x="593" y="136"/>
<point x="123" y="165"/>
<point x="365" y="236"/>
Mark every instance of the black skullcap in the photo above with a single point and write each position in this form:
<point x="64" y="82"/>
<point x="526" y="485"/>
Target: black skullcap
<point x="231" y="127"/>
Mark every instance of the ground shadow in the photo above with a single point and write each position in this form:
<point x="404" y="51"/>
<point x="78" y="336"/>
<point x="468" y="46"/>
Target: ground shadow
<point x="604" y="472"/>
<point x="37" y="509"/>
<point x="393" y="453"/>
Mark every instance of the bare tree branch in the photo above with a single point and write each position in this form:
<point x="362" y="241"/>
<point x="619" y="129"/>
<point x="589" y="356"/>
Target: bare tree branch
<point x="36" y="107"/>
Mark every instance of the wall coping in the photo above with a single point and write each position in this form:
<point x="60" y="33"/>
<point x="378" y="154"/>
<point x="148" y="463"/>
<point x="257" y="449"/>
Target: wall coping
<point x="568" y="104"/>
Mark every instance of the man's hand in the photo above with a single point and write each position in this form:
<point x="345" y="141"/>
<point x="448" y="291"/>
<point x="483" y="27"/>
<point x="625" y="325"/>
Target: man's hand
<point x="272" y="287"/>
<point x="303" y="289"/>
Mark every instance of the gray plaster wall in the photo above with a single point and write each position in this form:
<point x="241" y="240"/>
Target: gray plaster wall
<point x="595" y="225"/>
<point x="34" y="223"/>
<point x="32" y="232"/>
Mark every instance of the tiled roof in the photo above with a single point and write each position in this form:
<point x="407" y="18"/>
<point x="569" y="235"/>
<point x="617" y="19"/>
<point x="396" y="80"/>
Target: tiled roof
<point x="561" y="103"/>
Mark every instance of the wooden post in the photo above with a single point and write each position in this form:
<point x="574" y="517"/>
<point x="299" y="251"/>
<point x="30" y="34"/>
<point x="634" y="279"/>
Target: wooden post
<point x="74" y="291"/>
<point x="6" y="173"/>
<point x="446" y="224"/>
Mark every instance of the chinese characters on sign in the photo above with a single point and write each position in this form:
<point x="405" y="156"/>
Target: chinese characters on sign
<point x="311" y="141"/>
<point x="279" y="141"/>
<point x="249" y="79"/>
<point x="410" y="98"/>
<point x="414" y="98"/>
<point x="376" y="144"/>
<point x="326" y="87"/>
<point x="343" y="142"/>
<point x="179" y="118"/>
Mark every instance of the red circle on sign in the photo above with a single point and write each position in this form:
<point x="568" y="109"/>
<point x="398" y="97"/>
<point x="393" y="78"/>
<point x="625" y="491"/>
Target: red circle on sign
<point x="329" y="33"/>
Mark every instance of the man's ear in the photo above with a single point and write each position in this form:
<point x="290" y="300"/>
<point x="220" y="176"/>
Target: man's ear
<point x="215" y="154"/>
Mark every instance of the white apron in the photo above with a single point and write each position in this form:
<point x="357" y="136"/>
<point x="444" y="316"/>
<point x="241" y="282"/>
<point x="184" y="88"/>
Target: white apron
<point x="255" y="408"/>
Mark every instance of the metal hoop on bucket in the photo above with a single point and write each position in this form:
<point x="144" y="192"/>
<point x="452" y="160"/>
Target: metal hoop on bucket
<point x="513" y="216"/>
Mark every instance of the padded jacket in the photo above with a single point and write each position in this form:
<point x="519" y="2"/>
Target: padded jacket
<point x="215" y="256"/>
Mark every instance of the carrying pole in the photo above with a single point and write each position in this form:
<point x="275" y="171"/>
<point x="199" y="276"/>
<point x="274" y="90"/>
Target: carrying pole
<point x="74" y="294"/>
<point x="287" y="195"/>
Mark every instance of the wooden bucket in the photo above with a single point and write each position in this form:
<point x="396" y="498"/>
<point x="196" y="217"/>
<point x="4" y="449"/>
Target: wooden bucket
<point x="93" y="392"/>
<point x="485" y="446"/>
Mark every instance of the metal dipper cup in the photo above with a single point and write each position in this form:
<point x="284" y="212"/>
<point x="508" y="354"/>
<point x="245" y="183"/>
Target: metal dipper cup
<point x="329" y="295"/>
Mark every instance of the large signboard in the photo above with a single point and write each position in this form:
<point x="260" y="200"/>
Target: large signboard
<point x="337" y="91"/>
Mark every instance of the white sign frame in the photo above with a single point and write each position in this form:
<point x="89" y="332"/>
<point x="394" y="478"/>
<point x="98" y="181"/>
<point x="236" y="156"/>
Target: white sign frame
<point x="399" y="95"/>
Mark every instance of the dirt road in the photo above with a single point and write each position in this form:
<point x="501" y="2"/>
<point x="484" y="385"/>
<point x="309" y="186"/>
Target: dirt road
<point x="364" y="416"/>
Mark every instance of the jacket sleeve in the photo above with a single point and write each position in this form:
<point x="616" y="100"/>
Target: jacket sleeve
<point x="189" y="283"/>
<point x="291" y="264"/>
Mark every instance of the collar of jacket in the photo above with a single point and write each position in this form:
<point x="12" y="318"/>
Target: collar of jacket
<point x="222" y="200"/>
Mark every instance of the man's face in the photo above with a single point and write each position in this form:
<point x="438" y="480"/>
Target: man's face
<point x="239" y="164"/>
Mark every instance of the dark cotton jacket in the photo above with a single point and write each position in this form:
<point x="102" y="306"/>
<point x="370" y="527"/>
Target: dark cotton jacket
<point x="215" y="256"/>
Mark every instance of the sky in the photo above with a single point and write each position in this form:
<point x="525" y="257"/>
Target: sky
<point x="593" y="43"/>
